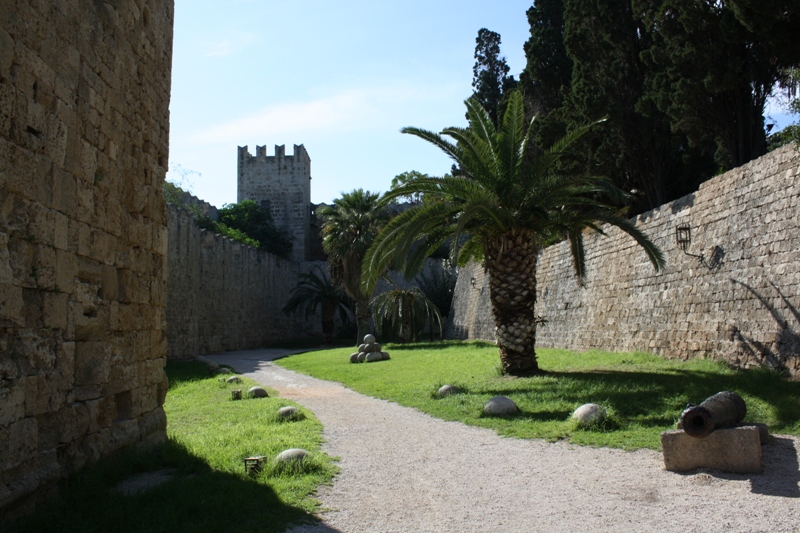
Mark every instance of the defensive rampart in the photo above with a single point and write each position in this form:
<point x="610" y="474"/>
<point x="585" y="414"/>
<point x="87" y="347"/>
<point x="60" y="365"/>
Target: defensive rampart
<point x="223" y="295"/>
<point x="739" y="304"/>
<point x="84" y="126"/>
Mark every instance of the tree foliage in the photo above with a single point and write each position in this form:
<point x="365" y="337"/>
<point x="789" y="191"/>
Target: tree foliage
<point x="490" y="81"/>
<point x="245" y="222"/>
<point x="313" y="291"/>
<point x="349" y="226"/>
<point x="505" y="207"/>
<point x="402" y="314"/>
<point x="682" y="84"/>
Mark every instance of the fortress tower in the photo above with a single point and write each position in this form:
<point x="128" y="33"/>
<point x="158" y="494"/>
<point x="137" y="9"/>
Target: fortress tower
<point x="281" y="183"/>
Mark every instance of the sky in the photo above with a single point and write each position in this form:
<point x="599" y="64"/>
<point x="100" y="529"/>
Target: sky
<point x="340" y="77"/>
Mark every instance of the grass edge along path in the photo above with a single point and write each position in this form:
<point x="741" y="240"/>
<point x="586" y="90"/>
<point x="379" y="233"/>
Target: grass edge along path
<point x="209" y="435"/>
<point x="643" y="393"/>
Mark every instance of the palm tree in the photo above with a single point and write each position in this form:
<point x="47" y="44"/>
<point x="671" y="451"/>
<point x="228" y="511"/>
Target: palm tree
<point x="349" y="226"/>
<point x="403" y="313"/>
<point x="501" y="210"/>
<point x="313" y="291"/>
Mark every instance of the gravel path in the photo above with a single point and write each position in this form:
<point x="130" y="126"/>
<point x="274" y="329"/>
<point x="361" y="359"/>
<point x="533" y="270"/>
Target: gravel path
<point x="404" y="471"/>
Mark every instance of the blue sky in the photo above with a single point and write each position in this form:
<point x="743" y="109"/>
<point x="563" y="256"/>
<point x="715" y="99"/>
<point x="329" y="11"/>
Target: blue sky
<point x="340" y="77"/>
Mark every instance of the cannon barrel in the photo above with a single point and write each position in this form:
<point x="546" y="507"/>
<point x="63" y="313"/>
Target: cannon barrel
<point x="724" y="409"/>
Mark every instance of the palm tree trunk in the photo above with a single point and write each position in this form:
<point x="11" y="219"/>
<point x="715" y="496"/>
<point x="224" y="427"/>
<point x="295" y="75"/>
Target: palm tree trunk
<point x="511" y="266"/>
<point x="328" y="316"/>
<point x="362" y="319"/>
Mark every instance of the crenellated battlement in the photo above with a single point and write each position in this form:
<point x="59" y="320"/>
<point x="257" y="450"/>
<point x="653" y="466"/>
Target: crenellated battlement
<point x="300" y="154"/>
<point x="281" y="183"/>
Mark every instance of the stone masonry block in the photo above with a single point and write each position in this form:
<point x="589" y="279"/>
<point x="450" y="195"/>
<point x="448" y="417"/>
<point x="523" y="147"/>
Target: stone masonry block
<point x="736" y="450"/>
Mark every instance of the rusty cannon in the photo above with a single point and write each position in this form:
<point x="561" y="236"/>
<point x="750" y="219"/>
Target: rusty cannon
<point x="723" y="410"/>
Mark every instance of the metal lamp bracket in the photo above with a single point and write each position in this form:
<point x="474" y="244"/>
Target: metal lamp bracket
<point x="683" y="236"/>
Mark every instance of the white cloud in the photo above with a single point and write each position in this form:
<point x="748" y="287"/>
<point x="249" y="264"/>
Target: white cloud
<point x="353" y="109"/>
<point x="228" y="47"/>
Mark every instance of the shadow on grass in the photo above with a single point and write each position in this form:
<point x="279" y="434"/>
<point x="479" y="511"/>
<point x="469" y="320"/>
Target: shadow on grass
<point x="436" y="345"/>
<point x="196" y="499"/>
<point x="649" y="397"/>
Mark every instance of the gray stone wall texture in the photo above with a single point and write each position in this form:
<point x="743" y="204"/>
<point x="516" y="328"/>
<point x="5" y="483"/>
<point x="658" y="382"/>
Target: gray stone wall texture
<point x="84" y="126"/>
<point x="283" y="183"/>
<point x="744" y="310"/>
<point x="223" y="295"/>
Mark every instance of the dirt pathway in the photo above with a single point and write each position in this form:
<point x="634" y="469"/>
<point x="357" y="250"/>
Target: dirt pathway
<point x="404" y="471"/>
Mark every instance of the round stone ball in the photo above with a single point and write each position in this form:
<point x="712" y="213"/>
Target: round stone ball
<point x="589" y="414"/>
<point x="257" y="392"/>
<point x="370" y="348"/>
<point x="447" y="390"/>
<point x="362" y="347"/>
<point x="362" y="356"/>
<point x="369" y="338"/>
<point x="234" y="379"/>
<point x="373" y="356"/>
<point x="354" y="357"/>
<point x="292" y="454"/>
<point x="500" y="406"/>
<point x="223" y="370"/>
<point x="289" y="412"/>
<point x="385" y="356"/>
<point x="376" y="347"/>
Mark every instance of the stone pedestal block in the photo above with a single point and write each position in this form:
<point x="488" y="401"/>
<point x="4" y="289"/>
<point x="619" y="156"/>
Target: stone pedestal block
<point x="736" y="450"/>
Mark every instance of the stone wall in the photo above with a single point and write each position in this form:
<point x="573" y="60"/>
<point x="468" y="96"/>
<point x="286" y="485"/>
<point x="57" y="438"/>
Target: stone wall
<point x="744" y="309"/>
<point x="223" y="295"/>
<point x="283" y="184"/>
<point x="84" y="121"/>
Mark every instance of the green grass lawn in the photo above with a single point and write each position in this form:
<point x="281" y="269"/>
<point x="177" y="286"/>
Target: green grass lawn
<point x="209" y="435"/>
<point x="643" y="393"/>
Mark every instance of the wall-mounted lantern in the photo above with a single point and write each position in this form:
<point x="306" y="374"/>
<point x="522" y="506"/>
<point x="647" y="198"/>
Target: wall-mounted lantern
<point x="472" y="282"/>
<point x="683" y="236"/>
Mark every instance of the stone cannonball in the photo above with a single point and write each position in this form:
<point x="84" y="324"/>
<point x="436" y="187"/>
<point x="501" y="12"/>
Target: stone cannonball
<point x="369" y="338"/>
<point x="362" y="356"/>
<point x="589" y="414"/>
<point x="292" y="454"/>
<point x="354" y="357"/>
<point x="257" y="392"/>
<point x="500" y="406"/>
<point x="288" y="412"/>
<point x="447" y="390"/>
<point x="385" y="356"/>
<point x="373" y="356"/>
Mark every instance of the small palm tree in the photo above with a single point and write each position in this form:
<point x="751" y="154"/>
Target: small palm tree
<point x="349" y="226"/>
<point x="403" y="314"/>
<point x="501" y="209"/>
<point x="314" y="291"/>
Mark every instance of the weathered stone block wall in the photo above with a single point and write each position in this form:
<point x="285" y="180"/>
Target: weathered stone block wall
<point x="744" y="310"/>
<point x="282" y="183"/>
<point x="84" y="121"/>
<point x="223" y="295"/>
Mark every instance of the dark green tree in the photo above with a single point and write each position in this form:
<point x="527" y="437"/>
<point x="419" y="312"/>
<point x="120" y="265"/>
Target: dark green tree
<point x="715" y="62"/>
<point x="405" y="177"/>
<point x="313" y="291"/>
<point x="490" y="79"/>
<point x="635" y="146"/>
<point x="548" y="73"/>
<point x="349" y="226"/>
<point x="506" y="208"/>
<point x="256" y="222"/>
<point x="402" y="314"/>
